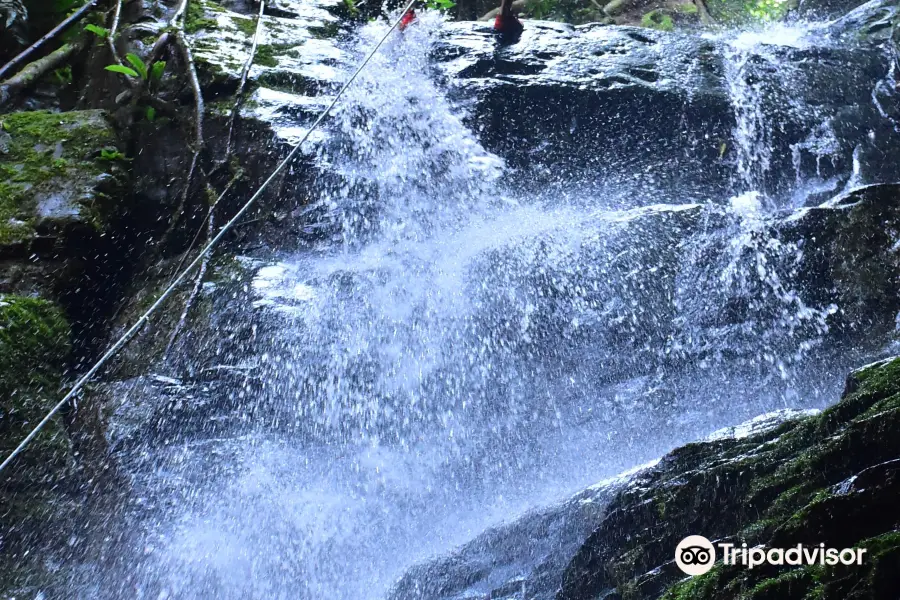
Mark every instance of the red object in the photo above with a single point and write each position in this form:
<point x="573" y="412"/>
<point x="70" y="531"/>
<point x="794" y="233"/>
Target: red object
<point x="407" y="20"/>
<point x="508" y="26"/>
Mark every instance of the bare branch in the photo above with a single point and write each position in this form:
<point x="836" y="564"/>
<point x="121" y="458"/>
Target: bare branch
<point x="199" y="109"/>
<point x="68" y="22"/>
<point x="239" y="100"/>
<point x="28" y="76"/>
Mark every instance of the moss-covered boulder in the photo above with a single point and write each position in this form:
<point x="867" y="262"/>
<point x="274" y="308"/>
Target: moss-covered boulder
<point x="34" y="349"/>
<point x="59" y="171"/>
<point x="832" y="478"/>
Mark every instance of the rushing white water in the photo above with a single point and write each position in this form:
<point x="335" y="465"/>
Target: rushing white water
<point x="456" y="353"/>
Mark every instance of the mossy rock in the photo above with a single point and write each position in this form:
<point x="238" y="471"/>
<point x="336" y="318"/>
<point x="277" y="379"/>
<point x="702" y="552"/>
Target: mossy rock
<point x="54" y="175"/>
<point x="34" y="349"/>
<point x="832" y="478"/>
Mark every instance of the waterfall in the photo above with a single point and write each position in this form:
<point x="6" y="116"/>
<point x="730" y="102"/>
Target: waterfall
<point x="454" y="350"/>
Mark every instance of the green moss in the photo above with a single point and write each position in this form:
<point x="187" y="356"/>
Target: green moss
<point x="34" y="342"/>
<point x="246" y="26"/>
<point x="702" y="586"/>
<point x="195" y="18"/>
<point x="34" y="349"/>
<point x="48" y="153"/>
<point x="327" y="31"/>
<point x="265" y="56"/>
<point x="656" y="19"/>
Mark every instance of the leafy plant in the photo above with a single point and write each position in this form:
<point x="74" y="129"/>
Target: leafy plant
<point x="440" y="4"/>
<point x="139" y="69"/>
<point x="768" y="10"/>
<point x="112" y="153"/>
<point x="138" y="64"/>
<point x="540" y="9"/>
<point x="100" y="32"/>
<point x="149" y="76"/>
<point x="63" y="75"/>
<point x="123" y="70"/>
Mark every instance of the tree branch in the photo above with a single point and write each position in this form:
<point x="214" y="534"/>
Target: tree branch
<point x="239" y="99"/>
<point x="70" y="20"/>
<point x="198" y="128"/>
<point x="28" y="76"/>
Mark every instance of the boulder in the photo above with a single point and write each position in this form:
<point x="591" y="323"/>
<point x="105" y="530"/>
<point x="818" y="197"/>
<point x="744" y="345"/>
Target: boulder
<point x="830" y="478"/>
<point x="61" y="173"/>
<point x="683" y="112"/>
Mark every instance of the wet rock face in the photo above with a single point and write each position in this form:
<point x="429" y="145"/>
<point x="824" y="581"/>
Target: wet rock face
<point x="593" y="99"/>
<point x="594" y="102"/>
<point x="849" y="259"/>
<point x="826" y="479"/>
<point x="522" y="560"/>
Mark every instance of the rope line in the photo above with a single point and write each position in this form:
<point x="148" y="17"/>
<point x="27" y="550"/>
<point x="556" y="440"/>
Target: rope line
<point x="120" y="343"/>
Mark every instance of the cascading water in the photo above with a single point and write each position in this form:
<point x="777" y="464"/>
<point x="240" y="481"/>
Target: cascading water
<point x="772" y="96"/>
<point x="454" y="352"/>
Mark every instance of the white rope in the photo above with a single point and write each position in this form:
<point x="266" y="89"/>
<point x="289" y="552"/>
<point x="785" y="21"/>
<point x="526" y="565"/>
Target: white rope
<point x="120" y="343"/>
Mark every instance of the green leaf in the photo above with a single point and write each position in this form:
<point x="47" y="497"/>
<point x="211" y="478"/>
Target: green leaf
<point x="156" y="71"/>
<point x="440" y="4"/>
<point x="123" y="70"/>
<point x="100" y="32"/>
<point x="137" y="63"/>
<point x="151" y="114"/>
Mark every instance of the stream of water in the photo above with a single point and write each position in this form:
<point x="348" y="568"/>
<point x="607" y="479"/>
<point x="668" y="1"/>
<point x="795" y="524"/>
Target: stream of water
<point x="457" y="352"/>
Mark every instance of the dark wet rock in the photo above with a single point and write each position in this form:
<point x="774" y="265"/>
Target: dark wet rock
<point x="527" y="558"/>
<point x="522" y="559"/>
<point x="595" y="101"/>
<point x="777" y="488"/>
<point x="849" y="259"/>
<point x="592" y="97"/>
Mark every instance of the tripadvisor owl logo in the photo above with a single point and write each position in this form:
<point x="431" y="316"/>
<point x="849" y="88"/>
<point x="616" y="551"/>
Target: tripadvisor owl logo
<point x="695" y="555"/>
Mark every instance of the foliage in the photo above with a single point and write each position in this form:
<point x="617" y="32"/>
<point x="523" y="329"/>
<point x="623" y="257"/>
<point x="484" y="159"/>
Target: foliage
<point x="100" y="32"/>
<point x="440" y="4"/>
<point x="768" y="10"/>
<point x="744" y="11"/>
<point x="656" y="19"/>
<point x="351" y="7"/>
<point x="63" y="75"/>
<point x="540" y="9"/>
<point x="112" y="153"/>
<point x="139" y="69"/>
